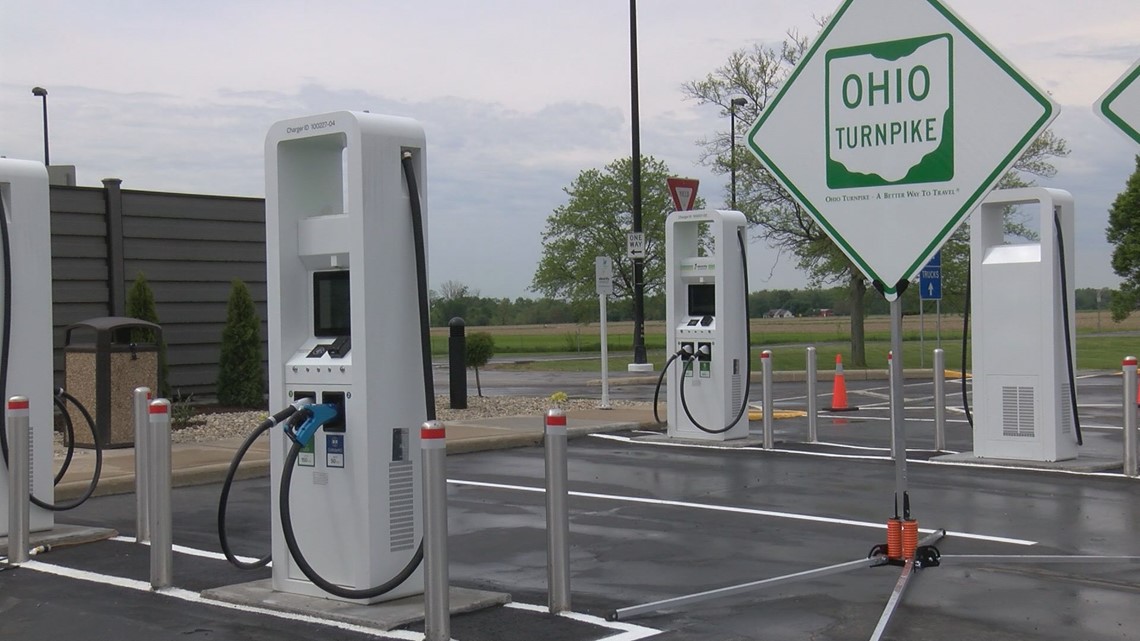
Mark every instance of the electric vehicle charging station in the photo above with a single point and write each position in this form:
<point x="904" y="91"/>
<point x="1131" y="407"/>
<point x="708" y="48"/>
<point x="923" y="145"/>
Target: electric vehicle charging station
<point x="1022" y="394"/>
<point x="707" y="324"/>
<point x="27" y="226"/>
<point x="343" y="319"/>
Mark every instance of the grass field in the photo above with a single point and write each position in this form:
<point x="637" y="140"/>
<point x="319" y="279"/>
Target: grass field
<point x="1101" y="344"/>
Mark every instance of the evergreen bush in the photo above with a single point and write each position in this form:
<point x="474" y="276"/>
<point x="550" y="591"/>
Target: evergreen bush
<point x="240" y="377"/>
<point x="141" y="305"/>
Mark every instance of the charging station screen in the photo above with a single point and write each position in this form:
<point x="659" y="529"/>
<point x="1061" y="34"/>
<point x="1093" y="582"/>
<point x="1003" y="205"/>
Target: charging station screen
<point x="702" y="300"/>
<point x="331" y="310"/>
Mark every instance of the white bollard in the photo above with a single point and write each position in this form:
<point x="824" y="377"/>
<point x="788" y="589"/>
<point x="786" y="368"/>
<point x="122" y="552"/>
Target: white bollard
<point x="557" y="513"/>
<point x="19" y="480"/>
<point x="158" y="492"/>
<point x="437" y="603"/>
<point x="1130" y="399"/>
<point x="141" y="397"/>
<point x="812" y="397"/>
<point x="766" y="370"/>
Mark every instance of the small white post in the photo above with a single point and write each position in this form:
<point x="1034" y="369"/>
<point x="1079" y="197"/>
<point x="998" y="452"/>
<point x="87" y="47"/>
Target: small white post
<point x="766" y="369"/>
<point x="605" y="405"/>
<point x="159" y="511"/>
<point x="437" y="597"/>
<point x="142" y="443"/>
<point x="19" y="480"/>
<point x="1130" y="398"/>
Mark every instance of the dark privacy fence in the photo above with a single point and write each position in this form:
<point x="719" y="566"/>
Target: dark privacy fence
<point x="189" y="247"/>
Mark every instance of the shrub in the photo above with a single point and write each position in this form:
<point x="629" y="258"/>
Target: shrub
<point x="141" y="305"/>
<point x="240" y="378"/>
<point x="480" y="349"/>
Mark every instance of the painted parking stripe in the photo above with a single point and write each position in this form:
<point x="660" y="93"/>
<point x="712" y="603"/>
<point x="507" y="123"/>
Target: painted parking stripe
<point x="734" y="509"/>
<point x="194" y="597"/>
<point x="625" y="631"/>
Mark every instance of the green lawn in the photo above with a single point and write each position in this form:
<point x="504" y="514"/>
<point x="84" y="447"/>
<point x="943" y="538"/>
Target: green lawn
<point x="1093" y="352"/>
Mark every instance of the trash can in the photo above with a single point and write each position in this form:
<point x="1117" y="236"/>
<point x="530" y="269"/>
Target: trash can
<point x="102" y="367"/>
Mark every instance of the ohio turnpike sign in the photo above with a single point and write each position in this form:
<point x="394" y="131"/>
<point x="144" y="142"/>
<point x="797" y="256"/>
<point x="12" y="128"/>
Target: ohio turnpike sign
<point x="893" y="127"/>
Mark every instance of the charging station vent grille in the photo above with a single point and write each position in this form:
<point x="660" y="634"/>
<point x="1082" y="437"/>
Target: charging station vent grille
<point x="1066" y="410"/>
<point x="737" y="391"/>
<point x="402" y="521"/>
<point x="1017" y="410"/>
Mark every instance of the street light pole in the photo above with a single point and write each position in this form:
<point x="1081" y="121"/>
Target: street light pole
<point x="42" y="93"/>
<point x="639" y="357"/>
<point x="736" y="102"/>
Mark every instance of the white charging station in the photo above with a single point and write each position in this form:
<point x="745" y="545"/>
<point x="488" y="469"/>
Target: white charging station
<point x="24" y="190"/>
<point x="344" y="329"/>
<point x="1022" y="404"/>
<point x="705" y="311"/>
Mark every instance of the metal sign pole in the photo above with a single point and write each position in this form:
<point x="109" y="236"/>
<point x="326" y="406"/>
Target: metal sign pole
<point x="605" y="355"/>
<point x="898" y="427"/>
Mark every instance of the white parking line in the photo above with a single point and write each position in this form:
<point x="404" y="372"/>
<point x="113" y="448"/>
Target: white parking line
<point x="733" y="509"/>
<point x="194" y="597"/>
<point x="626" y="631"/>
<point x="858" y="457"/>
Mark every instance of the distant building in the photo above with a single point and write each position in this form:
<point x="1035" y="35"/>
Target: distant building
<point x="779" y="313"/>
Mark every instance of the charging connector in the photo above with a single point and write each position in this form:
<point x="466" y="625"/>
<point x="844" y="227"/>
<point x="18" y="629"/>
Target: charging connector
<point x="311" y="419"/>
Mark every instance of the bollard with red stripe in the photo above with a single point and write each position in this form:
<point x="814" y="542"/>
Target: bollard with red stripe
<point x="160" y="514"/>
<point x="437" y="603"/>
<point x="768" y="405"/>
<point x="1131" y="389"/>
<point x="557" y="513"/>
<point x="140" y="398"/>
<point x="19" y="483"/>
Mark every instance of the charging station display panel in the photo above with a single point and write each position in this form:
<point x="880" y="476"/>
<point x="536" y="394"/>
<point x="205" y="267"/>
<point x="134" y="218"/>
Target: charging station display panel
<point x="702" y="300"/>
<point x="331" y="305"/>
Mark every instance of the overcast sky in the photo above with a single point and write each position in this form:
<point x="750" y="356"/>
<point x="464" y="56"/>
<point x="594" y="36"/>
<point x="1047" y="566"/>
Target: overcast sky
<point x="516" y="96"/>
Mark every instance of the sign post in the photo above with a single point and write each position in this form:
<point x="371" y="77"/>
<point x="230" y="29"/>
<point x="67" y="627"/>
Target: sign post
<point x="604" y="285"/>
<point x="892" y="128"/>
<point x="1120" y="105"/>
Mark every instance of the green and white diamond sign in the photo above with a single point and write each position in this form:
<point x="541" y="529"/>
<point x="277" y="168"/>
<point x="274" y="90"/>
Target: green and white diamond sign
<point x="893" y="127"/>
<point x="1120" y="105"/>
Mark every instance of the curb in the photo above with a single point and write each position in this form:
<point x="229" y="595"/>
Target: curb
<point x="216" y="472"/>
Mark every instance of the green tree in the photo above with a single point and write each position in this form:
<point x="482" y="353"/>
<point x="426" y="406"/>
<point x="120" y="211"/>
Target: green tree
<point x="1123" y="233"/>
<point x="757" y="74"/>
<point x="141" y="305"/>
<point x="480" y="349"/>
<point x="240" y="378"/>
<point x="594" y="222"/>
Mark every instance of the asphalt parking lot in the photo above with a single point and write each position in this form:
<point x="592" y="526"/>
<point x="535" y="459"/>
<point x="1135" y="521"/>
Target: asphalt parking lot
<point x="651" y="521"/>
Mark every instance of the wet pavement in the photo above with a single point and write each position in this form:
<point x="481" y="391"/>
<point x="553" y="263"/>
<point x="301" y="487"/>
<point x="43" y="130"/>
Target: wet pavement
<point x="652" y="521"/>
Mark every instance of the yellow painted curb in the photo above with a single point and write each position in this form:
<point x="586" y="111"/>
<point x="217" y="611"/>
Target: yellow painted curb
<point x="756" y="414"/>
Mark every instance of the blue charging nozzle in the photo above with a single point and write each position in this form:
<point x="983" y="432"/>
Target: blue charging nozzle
<point x="305" y="422"/>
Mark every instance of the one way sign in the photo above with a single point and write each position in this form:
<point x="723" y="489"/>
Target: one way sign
<point x="930" y="279"/>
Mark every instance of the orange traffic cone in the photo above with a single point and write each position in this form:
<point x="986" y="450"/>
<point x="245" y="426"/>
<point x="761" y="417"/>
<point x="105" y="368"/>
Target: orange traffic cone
<point x="839" y="389"/>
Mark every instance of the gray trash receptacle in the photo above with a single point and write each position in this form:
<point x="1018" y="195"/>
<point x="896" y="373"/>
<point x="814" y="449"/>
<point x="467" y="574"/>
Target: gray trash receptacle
<point x="102" y="367"/>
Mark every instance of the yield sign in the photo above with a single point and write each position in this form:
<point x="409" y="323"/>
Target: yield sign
<point x="683" y="191"/>
<point x="1120" y="105"/>
<point x="891" y="129"/>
